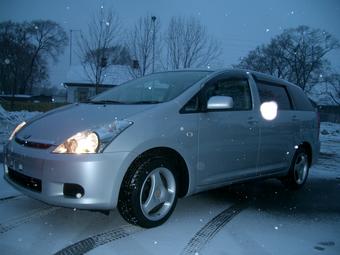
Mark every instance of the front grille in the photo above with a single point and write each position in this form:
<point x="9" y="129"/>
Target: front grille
<point x="33" y="144"/>
<point x="24" y="180"/>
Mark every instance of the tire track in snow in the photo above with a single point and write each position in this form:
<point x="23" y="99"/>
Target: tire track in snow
<point x="209" y="230"/>
<point x="6" y="199"/>
<point x="35" y="214"/>
<point x="94" y="241"/>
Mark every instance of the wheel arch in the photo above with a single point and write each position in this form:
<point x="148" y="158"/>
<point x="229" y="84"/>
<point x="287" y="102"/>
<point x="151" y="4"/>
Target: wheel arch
<point x="173" y="155"/>
<point x="309" y="151"/>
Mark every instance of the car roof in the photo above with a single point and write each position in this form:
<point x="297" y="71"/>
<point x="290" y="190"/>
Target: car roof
<point x="237" y="71"/>
<point x="258" y="76"/>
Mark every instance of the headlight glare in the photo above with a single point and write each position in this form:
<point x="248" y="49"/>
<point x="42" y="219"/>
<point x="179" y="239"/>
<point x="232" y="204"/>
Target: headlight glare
<point x="94" y="140"/>
<point x="16" y="130"/>
<point x="82" y="142"/>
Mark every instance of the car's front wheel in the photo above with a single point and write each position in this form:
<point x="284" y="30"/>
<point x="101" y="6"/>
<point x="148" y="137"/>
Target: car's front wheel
<point x="148" y="193"/>
<point x="298" y="171"/>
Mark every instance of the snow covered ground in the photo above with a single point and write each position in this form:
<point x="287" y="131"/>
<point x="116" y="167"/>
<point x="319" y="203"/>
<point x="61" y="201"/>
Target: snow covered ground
<point x="9" y="120"/>
<point x="253" y="218"/>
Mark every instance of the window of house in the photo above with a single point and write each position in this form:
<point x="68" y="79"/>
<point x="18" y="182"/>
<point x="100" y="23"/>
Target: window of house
<point x="83" y="94"/>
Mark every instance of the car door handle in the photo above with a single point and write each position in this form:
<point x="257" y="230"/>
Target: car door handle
<point x="294" y="118"/>
<point x="252" y="121"/>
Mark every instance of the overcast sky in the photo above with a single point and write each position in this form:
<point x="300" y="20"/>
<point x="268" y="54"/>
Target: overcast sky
<point x="240" y="25"/>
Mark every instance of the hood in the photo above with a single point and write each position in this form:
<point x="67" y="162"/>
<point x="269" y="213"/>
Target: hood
<point x="56" y="126"/>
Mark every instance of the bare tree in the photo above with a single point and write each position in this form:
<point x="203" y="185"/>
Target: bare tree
<point x="49" y="40"/>
<point x="332" y="87"/>
<point x="267" y="59"/>
<point x="140" y="43"/>
<point x="14" y="55"/>
<point x="104" y="31"/>
<point x="305" y="54"/>
<point x="26" y="49"/>
<point x="298" y="55"/>
<point x="189" y="45"/>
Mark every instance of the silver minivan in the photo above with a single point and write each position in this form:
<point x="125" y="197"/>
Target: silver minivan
<point x="143" y="144"/>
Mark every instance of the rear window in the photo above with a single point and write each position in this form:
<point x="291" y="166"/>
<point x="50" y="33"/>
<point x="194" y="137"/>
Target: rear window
<point x="300" y="100"/>
<point x="269" y="92"/>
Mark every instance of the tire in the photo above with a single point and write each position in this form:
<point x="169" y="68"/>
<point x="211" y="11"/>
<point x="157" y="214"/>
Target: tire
<point x="298" y="171"/>
<point x="148" y="194"/>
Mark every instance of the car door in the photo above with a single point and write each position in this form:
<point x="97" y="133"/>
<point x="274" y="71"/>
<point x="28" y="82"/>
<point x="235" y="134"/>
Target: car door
<point x="228" y="139"/>
<point x="278" y="135"/>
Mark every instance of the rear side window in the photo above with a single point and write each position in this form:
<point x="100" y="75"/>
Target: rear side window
<point x="277" y="93"/>
<point x="300" y="100"/>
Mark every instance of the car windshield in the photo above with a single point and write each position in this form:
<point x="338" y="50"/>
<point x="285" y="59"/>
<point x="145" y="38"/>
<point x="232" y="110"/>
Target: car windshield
<point x="151" y="89"/>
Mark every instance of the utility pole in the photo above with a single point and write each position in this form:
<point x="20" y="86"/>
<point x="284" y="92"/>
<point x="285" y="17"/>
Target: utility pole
<point x="153" y="18"/>
<point x="70" y="46"/>
<point x="71" y="33"/>
<point x="13" y="87"/>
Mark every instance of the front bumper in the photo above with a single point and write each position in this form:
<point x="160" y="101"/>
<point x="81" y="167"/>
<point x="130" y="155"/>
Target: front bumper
<point x="100" y="176"/>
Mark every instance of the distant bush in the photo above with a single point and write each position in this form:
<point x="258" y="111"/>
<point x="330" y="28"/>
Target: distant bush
<point x="329" y="113"/>
<point x="30" y="106"/>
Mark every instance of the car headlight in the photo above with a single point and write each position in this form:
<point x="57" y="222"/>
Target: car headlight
<point x="16" y="130"/>
<point x="82" y="142"/>
<point x="94" y="140"/>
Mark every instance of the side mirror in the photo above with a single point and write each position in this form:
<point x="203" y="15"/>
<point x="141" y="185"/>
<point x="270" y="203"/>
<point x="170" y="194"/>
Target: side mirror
<point x="220" y="103"/>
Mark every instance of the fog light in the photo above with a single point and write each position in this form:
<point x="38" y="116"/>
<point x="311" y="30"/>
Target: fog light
<point x="6" y="169"/>
<point x="73" y="190"/>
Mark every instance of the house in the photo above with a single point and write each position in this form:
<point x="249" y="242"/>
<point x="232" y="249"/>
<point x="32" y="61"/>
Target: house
<point x="80" y="88"/>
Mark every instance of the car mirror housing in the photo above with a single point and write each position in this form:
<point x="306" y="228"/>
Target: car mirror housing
<point x="220" y="103"/>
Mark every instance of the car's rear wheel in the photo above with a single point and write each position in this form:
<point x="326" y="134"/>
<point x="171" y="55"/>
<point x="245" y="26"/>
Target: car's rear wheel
<point x="298" y="171"/>
<point x="148" y="193"/>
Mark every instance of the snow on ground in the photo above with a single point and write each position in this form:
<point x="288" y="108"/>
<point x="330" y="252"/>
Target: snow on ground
<point x="9" y="120"/>
<point x="253" y="218"/>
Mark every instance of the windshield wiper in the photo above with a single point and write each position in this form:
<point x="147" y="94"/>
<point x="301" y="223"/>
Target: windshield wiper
<point x="119" y="102"/>
<point x="146" y="102"/>
<point x="106" y="102"/>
